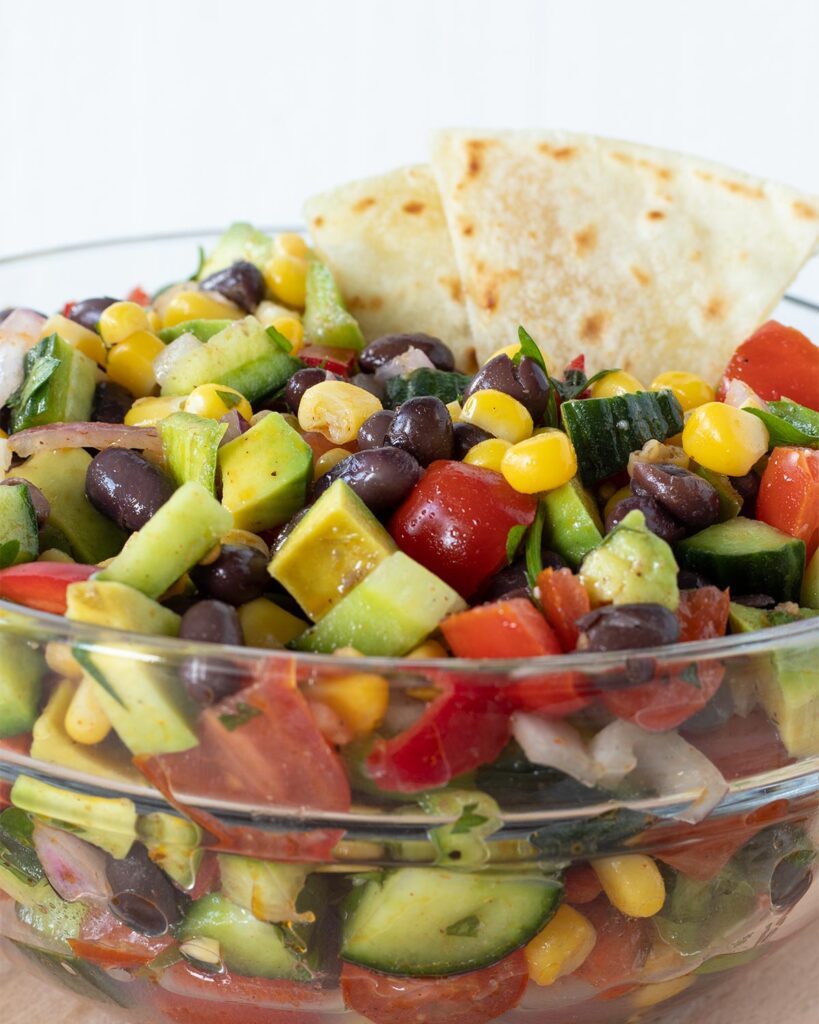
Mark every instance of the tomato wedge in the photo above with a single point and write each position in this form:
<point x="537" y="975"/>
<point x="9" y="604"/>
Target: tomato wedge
<point x="789" y="494"/>
<point x="107" y="942"/>
<point x="776" y="361"/>
<point x="42" y="585"/>
<point x="503" y="629"/>
<point x="473" y="998"/>
<point x="703" y="613"/>
<point x="581" y="884"/>
<point x="621" y="948"/>
<point x="564" y="600"/>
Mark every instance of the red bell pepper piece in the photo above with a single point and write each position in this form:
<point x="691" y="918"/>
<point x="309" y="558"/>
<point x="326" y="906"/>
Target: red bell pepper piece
<point x="139" y="296"/>
<point x="337" y="360"/>
<point x="564" y="600"/>
<point x="68" y="307"/>
<point x="42" y="585"/>
<point x="703" y="613"/>
<point x="623" y="943"/>
<point x="789" y="494"/>
<point x="456" y="522"/>
<point x="776" y="361"/>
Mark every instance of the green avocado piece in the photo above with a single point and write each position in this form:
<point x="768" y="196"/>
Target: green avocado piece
<point x="190" y="445"/>
<point x="267" y="889"/>
<point x="60" y="475"/>
<point x="107" y="822"/>
<point x="118" y="606"/>
<point x="249" y="946"/>
<point x="572" y="527"/>
<point x="19" y="541"/>
<point x="391" y="611"/>
<point x="241" y="241"/>
<point x="21" y="672"/>
<point x="265" y="474"/>
<point x="809" y="596"/>
<point x="50" y="742"/>
<point x="174" y="844"/>
<point x="730" y="500"/>
<point x="202" y="330"/>
<point x="184" y="529"/>
<point x="632" y="565"/>
<point x="58" y="386"/>
<point x="337" y="543"/>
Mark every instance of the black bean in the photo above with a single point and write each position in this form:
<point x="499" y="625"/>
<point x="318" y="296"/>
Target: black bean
<point x="241" y="283"/>
<point x="423" y="427"/>
<point x="381" y="477"/>
<point x="301" y="381"/>
<point x="688" y="580"/>
<point x="526" y="382"/>
<point x="465" y="436"/>
<point x="689" y="498"/>
<point x="620" y="627"/>
<point x="374" y="429"/>
<point x="747" y="487"/>
<point x="237" y="576"/>
<point x="764" y="601"/>
<point x="658" y="520"/>
<point x="88" y="311"/>
<point x="208" y="680"/>
<point x="126" y="487"/>
<point x="143" y="897"/>
<point x="111" y="402"/>
<point x="369" y="383"/>
<point x="511" y="581"/>
<point x="42" y="508"/>
<point x="791" y="879"/>
<point x="213" y="622"/>
<point x="383" y="349"/>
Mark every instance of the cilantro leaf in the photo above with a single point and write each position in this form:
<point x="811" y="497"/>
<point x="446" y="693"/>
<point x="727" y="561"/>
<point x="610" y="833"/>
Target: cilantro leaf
<point x="468" y="820"/>
<point x="534" y="541"/>
<point x="467" y="927"/>
<point x="513" y="540"/>
<point x="229" y="398"/>
<point x="39" y="369"/>
<point x="691" y="675"/>
<point x="241" y="716"/>
<point x="789" y="424"/>
<point x="279" y="339"/>
<point x="529" y="347"/>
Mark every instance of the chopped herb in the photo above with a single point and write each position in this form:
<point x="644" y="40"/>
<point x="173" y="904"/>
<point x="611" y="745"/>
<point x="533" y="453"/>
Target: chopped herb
<point x="17" y="853"/>
<point x="39" y="369"/>
<point x="200" y="264"/>
<point x="789" y="424"/>
<point x="241" y="716"/>
<point x="513" y="541"/>
<point x="279" y="339"/>
<point x="691" y="675"/>
<point x="534" y="541"/>
<point x="529" y="348"/>
<point x="468" y="820"/>
<point x="467" y="927"/>
<point x="777" y="617"/>
<point x="229" y="398"/>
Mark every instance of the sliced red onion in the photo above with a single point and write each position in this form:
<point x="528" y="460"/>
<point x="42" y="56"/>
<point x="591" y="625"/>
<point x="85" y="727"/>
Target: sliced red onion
<point x="178" y="349"/>
<point x="75" y="869"/>
<point x="84" y="435"/>
<point x="24" y="324"/>
<point x="412" y="359"/>
<point x="236" y="426"/>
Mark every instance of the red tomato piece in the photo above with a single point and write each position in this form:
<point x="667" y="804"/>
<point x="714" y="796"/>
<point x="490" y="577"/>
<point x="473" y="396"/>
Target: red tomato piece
<point x="104" y="940"/>
<point x="337" y="360"/>
<point x="503" y="629"/>
<point x="776" y="361"/>
<point x="789" y="494"/>
<point x="473" y="998"/>
<point x="581" y="884"/>
<point x="564" y="600"/>
<point x="42" y="585"/>
<point x="668" y="701"/>
<point x="68" y="307"/>
<point x="703" y="613"/>
<point x="456" y="522"/>
<point x="139" y="296"/>
<point x="621" y="948"/>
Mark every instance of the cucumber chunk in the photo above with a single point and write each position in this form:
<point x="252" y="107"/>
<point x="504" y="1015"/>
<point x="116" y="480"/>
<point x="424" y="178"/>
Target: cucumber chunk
<point x="572" y="526"/>
<point x="202" y="330"/>
<point x="190" y="445"/>
<point x="326" y="321"/>
<point x="429" y="921"/>
<point x="748" y="556"/>
<point x="241" y="241"/>
<point x="19" y="541"/>
<point x="58" y="386"/>
<point x="448" y="385"/>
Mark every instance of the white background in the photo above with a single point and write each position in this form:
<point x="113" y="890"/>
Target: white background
<point x="123" y="117"/>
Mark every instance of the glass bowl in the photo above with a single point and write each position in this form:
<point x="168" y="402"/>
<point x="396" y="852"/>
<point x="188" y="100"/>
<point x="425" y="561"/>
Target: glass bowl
<point x="316" y="877"/>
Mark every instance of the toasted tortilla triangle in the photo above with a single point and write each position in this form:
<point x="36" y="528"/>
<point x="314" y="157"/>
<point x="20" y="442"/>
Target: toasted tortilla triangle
<point x="387" y="242"/>
<point x="643" y="259"/>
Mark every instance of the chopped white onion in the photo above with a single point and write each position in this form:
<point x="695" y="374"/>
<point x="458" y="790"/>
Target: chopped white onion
<point x="412" y="359"/>
<point x="556" y="744"/>
<point x="740" y="396"/>
<point x="75" y="869"/>
<point x="5" y="456"/>
<point x="178" y="349"/>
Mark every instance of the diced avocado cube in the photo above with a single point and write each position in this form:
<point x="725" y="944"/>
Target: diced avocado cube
<point x="241" y="241"/>
<point x="21" y="672"/>
<point x="265" y="624"/>
<point x="19" y="541"/>
<point x="337" y="543"/>
<point x="107" y="822"/>
<point x="184" y="529"/>
<point x="42" y="909"/>
<point x="58" y="386"/>
<point x="119" y="607"/>
<point x="190" y="445"/>
<point x="265" y="474"/>
<point x="391" y="611"/>
<point x="174" y="844"/>
<point x="60" y="475"/>
<point x="572" y="525"/>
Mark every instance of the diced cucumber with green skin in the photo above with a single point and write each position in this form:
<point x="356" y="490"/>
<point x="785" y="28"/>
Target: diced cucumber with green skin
<point x="448" y="385"/>
<point x="748" y="556"/>
<point x="190" y="445"/>
<point x="391" y="611"/>
<point x="183" y="530"/>
<point x="21" y="673"/>
<point x="809" y="597"/>
<point x="60" y="475"/>
<point x="144" y="703"/>
<point x="203" y="330"/>
<point x="337" y="543"/>
<point x="241" y="241"/>
<point x="242" y="356"/>
<point x="43" y="910"/>
<point x="265" y="474"/>
<point x="430" y="921"/>
<point x="249" y="946"/>
<point x="605" y="431"/>
<point x="106" y="822"/>
<point x="118" y="606"/>
<point x="730" y="500"/>
<point x="78" y="976"/>
<point x="267" y="889"/>
<point x="173" y="844"/>
<point x="58" y="386"/>
<point x="326" y="321"/>
<point x="572" y="526"/>
<point x="19" y="541"/>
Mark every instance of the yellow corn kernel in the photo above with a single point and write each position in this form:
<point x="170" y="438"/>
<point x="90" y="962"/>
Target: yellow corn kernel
<point x="615" y="499"/>
<point x="54" y="555"/>
<point x="360" y="700"/>
<point x="428" y="649"/>
<point x="291" y="244"/>
<point x="540" y="463"/>
<point x="324" y="463"/>
<point x="724" y="439"/>
<point x="488" y="454"/>
<point x="561" y="947"/>
<point x="145" y="412"/>
<point x="77" y="336"/>
<point x="210" y="557"/>
<point x="292" y="328"/>
<point x="60" y="660"/>
<point x="689" y="389"/>
<point x="633" y="884"/>
<point x="193" y="305"/>
<point x="618" y="382"/>
<point x="265" y="624"/>
<point x="499" y="414"/>
<point x="454" y="410"/>
<point x="286" y="278"/>
<point x="120" y="320"/>
<point x="154" y="321"/>
<point x="244" y="538"/>
<point x="512" y="351"/>
<point x="213" y="401"/>
<point x="85" y="721"/>
<point x="659" y="992"/>
<point x="131" y="363"/>
<point x="336" y="409"/>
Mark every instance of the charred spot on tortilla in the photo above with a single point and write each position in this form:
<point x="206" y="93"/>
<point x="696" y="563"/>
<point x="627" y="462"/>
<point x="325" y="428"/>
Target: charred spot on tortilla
<point x="593" y="326"/>
<point x="360" y="205"/>
<point x="557" y="152"/>
<point x="641" y="276"/>
<point x="318" y="222"/>
<point x="655" y="215"/>
<point x="413" y="206"/>
<point x="716" y="308"/>
<point x="468" y="229"/>
<point x="805" y="210"/>
<point x="585" y="240"/>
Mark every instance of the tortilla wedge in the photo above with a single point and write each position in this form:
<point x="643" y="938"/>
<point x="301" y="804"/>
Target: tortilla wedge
<point x="387" y="242"/>
<point x="643" y="259"/>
